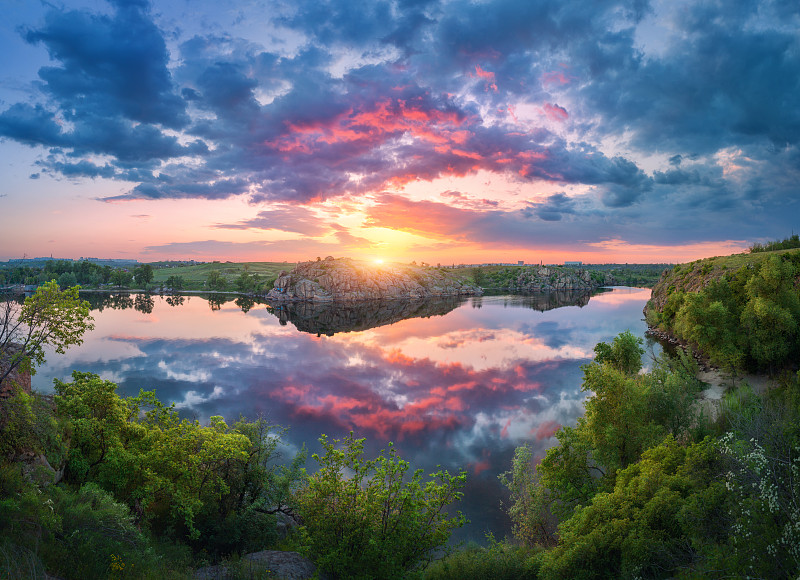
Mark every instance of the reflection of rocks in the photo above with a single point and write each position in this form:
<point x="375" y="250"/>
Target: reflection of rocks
<point x="330" y="318"/>
<point x="543" y="301"/>
<point x="346" y="280"/>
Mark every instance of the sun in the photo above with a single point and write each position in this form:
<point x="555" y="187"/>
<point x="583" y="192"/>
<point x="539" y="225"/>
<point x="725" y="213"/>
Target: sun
<point x="378" y="261"/>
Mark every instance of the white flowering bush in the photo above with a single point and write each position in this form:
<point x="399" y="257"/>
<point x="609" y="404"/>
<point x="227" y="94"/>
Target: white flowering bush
<point x="764" y="479"/>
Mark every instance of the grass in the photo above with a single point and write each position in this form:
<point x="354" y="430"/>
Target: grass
<point x="195" y="276"/>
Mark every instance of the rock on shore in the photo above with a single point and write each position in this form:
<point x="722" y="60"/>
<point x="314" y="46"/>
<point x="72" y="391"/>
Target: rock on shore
<point x="555" y="278"/>
<point x="347" y="280"/>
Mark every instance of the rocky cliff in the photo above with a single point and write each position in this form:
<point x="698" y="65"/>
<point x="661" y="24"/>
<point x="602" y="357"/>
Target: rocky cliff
<point x="346" y="280"/>
<point x="549" y="279"/>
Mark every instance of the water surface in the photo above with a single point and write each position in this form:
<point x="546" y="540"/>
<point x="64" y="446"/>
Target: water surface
<point x="461" y="382"/>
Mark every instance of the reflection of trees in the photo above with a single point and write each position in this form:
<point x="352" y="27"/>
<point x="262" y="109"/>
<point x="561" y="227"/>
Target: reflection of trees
<point x="245" y="303"/>
<point x="215" y="301"/>
<point x="175" y="300"/>
<point x="144" y="303"/>
<point x="121" y="301"/>
<point x="329" y="318"/>
<point x="102" y="300"/>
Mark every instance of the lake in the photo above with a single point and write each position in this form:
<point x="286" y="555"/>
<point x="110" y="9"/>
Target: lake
<point x="457" y="382"/>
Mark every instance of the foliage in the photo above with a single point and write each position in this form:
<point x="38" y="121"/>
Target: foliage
<point x="786" y="244"/>
<point x="624" y="353"/>
<point x="121" y="278"/>
<point x="216" y="281"/>
<point x="626" y="414"/>
<point x="761" y="450"/>
<point x="659" y="517"/>
<point x="49" y="318"/>
<point x="28" y="425"/>
<point x="196" y="483"/>
<point x="638" y="496"/>
<point x="497" y="561"/>
<point x="248" y="283"/>
<point x="85" y="273"/>
<point x="374" y="524"/>
<point x="175" y="283"/>
<point x="748" y="318"/>
<point x="533" y="522"/>
<point x="143" y="274"/>
<point x="67" y="280"/>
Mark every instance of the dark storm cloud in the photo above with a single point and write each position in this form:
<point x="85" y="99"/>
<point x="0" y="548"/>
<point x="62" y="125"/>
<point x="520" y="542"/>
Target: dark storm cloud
<point x="110" y="66"/>
<point x="719" y="90"/>
<point x="113" y="94"/>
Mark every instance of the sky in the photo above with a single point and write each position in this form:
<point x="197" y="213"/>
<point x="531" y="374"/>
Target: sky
<point x="445" y="131"/>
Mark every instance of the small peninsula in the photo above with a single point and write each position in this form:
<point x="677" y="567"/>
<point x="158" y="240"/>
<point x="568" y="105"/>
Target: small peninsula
<point x="347" y="280"/>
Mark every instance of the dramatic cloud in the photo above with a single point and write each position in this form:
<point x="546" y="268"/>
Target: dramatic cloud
<point x="648" y="113"/>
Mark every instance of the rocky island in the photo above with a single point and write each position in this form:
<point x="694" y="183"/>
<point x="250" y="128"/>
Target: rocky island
<point x="347" y="280"/>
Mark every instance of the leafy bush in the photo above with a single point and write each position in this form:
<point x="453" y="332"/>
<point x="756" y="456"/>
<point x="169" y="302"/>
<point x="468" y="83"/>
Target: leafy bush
<point x="659" y="517"/>
<point x="210" y="485"/>
<point x="498" y="561"/>
<point x="373" y="524"/>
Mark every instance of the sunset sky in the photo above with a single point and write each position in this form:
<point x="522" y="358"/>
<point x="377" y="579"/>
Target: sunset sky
<point x="436" y="130"/>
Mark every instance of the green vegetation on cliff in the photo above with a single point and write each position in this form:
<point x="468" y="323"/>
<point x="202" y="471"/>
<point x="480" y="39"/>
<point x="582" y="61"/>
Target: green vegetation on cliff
<point x="646" y="487"/>
<point x="741" y="311"/>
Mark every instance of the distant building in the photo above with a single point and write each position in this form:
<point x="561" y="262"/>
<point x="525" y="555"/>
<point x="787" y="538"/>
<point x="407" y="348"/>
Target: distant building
<point x="573" y="263"/>
<point x="521" y="263"/>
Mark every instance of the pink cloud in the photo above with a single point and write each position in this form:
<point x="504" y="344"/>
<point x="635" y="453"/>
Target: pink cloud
<point x="546" y="430"/>
<point x="486" y="75"/>
<point x="555" y="113"/>
<point x="555" y="78"/>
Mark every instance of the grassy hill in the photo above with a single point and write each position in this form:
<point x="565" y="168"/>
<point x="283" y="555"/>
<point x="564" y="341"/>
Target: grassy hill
<point x="195" y="276"/>
<point x="740" y="311"/>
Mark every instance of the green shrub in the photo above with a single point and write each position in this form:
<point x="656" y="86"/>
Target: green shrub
<point x="373" y="524"/>
<point x="498" y="561"/>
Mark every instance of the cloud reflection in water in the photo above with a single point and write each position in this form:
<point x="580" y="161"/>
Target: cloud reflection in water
<point x="461" y="389"/>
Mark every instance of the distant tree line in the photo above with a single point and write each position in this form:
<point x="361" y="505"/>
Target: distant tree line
<point x="789" y="243"/>
<point x="69" y="273"/>
<point x="85" y="273"/>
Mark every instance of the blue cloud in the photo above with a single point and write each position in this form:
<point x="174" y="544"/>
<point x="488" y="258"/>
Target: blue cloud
<point x="224" y="116"/>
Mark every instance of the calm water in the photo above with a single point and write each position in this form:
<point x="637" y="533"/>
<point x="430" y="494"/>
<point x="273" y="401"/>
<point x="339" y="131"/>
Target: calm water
<point x="461" y="383"/>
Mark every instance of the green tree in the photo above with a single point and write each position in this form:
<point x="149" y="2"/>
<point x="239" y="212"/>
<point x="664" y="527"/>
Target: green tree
<point x="530" y="502"/>
<point x="624" y="353"/>
<point x="247" y="283"/>
<point x="373" y="524"/>
<point x="181" y="477"/>
<point x="49" y="318"/>
<point x="617" y="422"/>
<point x="216" y="281"/>
<point x="67" y="280"/>
<point x="662" y="515"/>
<point x="175" y="283"/>
<point x="121" y="278"/>
<point x="143" y="274"/>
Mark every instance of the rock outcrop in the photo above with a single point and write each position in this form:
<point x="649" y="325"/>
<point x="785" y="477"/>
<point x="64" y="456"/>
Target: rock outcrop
<point x="329" y="318"/>
<point x="346" y="280"/>
<point x="554" y="279"/>
<point x="16" y="379"/>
